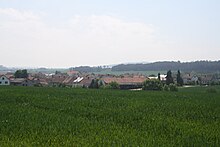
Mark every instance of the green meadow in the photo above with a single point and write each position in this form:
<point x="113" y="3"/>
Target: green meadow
<point x="31" y="116"/>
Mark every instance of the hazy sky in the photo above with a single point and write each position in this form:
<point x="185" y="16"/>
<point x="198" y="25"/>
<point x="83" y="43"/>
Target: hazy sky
<point x="66" y="33"/>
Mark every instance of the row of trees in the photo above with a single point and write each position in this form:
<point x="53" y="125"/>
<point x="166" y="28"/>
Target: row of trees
<point x="198" y="66"/>
<point x="169" y="78"/>
<point x="169" y="84"/>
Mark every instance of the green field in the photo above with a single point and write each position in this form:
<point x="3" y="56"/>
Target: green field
<point x="82" y="117"/>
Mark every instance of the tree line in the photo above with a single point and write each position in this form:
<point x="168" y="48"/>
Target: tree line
<point x="168" y="85"/>
<point x="198" y="66"/>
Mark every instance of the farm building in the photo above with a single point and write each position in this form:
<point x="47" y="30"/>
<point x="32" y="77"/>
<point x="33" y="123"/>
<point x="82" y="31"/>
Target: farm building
<point x="162" y="77"/>
<point x="206" y="79"/>
<point x="30" y="81"/>
<point x="57" y="79"/>
<point x="22" y="82"/>
<point x="127" y="82"/>
<point x="190" y="79"/>
<point x="83" y="81"/>
<point x="69" y="81"/>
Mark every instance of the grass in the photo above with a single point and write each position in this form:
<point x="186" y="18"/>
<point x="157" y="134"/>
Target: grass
<point x="79" y="117"/>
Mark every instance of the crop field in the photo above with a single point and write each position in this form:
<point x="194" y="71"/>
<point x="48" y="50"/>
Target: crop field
<point x="31" y="116"/>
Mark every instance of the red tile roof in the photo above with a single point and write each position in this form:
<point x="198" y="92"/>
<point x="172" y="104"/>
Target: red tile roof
<point x="124" y="80"/>
<point x="69" y="80"/>
<point x="72" y="72"/>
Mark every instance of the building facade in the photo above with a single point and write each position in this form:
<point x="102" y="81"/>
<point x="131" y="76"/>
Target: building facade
<point x="4" y="80"/>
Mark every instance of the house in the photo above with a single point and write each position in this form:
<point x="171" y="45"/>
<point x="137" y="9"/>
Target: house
<point x="21" y="82"/>
<point x="126" y="82"/>
<point x="162" y="77"/>
<point x="35" y="81"/>
<point x="153" y="78"/>
<point x="9" y="75"/>
<point x="69" y="81"/>
<point x="206" y="79"/>
<point x="190" y="78"/>
<point x="43" y="82"/>
<point x="194" y="79"/>
<point x="38" y="75"/>
<point x="57" y="79"/>
<point x="72" y="73"/>
<point x="4" y="80"/>
<point x="83" y="81"/>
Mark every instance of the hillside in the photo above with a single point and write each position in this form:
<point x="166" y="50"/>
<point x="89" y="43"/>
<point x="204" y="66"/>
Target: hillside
<point x="198" y="66"/>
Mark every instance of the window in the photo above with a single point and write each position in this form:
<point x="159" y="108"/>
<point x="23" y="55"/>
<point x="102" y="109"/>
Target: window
<point x="6" y="82"/>
<point x="3" y="78"/>
<point x="0" y="82"/>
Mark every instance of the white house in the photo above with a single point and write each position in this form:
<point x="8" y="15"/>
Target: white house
<point x="4" y="80"/>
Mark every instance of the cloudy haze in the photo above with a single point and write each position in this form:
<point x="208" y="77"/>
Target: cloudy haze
<point x="48" y="33"/>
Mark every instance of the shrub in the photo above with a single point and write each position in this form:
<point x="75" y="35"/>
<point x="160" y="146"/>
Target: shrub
<point x="166" y="88"/>
<point x="211" y="90"/>
<point x="173" y="87"/>
<point x="62" y="85"/>
<point x="112" y="85"/>
<point x="152" y="85"/>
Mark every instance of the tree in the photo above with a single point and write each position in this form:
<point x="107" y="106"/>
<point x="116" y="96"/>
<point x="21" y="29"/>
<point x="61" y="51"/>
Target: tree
<point x="57" y="72"/>
<point x="94" y="84"/>
<point x="169" y="78"/>
<point x="179" y="79"/>
<point x="21" y="74"/>
<point x="159" y="76"/>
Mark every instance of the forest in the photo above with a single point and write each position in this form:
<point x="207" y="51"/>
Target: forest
<point x="198" y="66"/>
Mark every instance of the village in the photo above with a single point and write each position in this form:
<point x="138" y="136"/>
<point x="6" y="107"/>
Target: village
<point x="78" y="79"/>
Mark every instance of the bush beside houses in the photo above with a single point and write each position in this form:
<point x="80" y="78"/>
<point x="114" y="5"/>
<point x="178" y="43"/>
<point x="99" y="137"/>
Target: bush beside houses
<point x="153" y="85"/>
<point x="112" y="85"/>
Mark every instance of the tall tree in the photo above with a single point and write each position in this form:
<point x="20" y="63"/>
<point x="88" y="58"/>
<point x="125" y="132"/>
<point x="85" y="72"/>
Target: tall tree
<point x="169" y="78"/>
<point x="21" y="74"/>
<point x="159" y="76"/>
<point x="179" y="79"/>
<point x="94" y="84"/>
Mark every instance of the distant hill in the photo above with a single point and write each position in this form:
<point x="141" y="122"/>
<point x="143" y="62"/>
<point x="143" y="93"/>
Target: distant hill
<point x="2" y="68"/>
<point x="198" y="66"/>
<point x="89" y="69"/>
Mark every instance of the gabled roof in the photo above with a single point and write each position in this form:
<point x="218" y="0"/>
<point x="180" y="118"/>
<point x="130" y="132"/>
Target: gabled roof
<point x="17" y="80"/>
<point x="78" y="80"/>
<point x="69" y="80"/>
<point x="4" y="76"/>
<point x="72" y="72"/>
<point x="86" y="81"/>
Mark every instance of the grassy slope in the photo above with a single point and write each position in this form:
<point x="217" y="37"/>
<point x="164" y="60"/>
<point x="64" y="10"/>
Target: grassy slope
<point x="75" y="117"/>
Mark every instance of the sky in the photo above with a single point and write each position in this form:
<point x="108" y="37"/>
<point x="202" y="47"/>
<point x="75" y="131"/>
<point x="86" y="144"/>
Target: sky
<point x="69" y="33"/>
